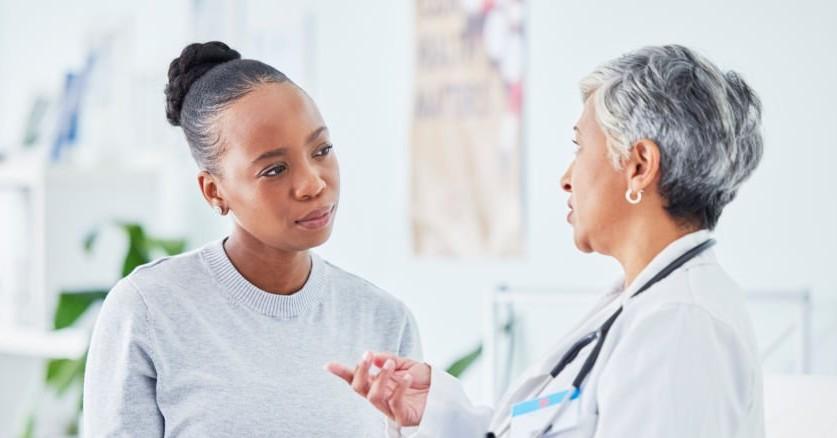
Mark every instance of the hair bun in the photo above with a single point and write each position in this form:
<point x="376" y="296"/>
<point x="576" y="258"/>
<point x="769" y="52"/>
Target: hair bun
<point x="194" y="61"/>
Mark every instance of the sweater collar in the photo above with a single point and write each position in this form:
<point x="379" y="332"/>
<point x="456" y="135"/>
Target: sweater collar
<point x="264" y="302"/>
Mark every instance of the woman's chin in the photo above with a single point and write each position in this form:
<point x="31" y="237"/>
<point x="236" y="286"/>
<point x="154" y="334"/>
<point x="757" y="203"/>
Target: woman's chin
<point x="581" y="242"/>
<point x="313" y="239"/>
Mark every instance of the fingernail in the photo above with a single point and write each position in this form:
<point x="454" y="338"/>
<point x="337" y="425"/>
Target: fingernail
<point x="367" y="356"/>
<point x="389" y="364"/>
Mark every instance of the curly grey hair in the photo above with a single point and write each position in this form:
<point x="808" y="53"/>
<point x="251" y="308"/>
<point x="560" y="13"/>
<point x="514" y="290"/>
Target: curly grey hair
<point x="706" y="123"/>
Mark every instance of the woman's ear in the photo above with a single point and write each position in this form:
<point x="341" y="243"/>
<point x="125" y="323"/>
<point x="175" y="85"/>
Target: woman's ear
<point x="643" y="165"/>
<point x="211" y="191"/>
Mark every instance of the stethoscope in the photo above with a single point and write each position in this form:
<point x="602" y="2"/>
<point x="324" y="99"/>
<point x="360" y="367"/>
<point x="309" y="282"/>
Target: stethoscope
<point x="599" y="336"/>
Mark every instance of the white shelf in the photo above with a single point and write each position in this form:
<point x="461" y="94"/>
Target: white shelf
<point x="16" y="177"/>
<point x="62" y="203"/>
<point x="25" y="173"/>
<point x="68" y="343"/>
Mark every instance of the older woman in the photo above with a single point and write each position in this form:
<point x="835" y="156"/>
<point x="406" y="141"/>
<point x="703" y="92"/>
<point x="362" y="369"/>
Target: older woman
<point x="662" y="145"/>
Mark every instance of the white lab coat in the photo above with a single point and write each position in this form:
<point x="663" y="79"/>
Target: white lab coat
<point x="681" y="361"/>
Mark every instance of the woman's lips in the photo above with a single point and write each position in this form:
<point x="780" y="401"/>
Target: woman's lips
<point x="570" y="214"/>
<point x="317" y="219"/>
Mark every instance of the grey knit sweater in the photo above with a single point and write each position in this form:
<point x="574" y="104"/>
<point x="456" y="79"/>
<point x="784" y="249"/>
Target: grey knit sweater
<point x="187" y="347"/>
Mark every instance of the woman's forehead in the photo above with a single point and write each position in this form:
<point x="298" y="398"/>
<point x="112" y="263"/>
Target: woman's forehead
<point x="276" y="114"/>
<point x="586" y="124"/>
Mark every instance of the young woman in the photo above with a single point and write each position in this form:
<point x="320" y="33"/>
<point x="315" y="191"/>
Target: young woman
<point x="229" y="339"/>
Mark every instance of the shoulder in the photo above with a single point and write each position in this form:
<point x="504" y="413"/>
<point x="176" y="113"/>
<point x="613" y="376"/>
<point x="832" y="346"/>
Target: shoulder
<point x="364" y="293"/>
<point x="124" y="302"/>
<point x="169" y="267"/>
<point x="167" y="278"/>
<point x="701" y="289"/>
<point x="674" y="335"/>
<point x="690" y="317"/>
<point x="700" y="301"/>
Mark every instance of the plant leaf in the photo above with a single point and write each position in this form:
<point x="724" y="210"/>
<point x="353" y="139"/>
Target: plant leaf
<point x="62" y="373"/>
<point x="168" y="246"/>
<point x="73" y="304"/>
<point x="463" y="363"/>
<point x="137" y="253"/>
<point x="54" y="367"/>
<point x="90" y="240"/>
<point x="29" y="428"/>
<point x="458" y="367"/>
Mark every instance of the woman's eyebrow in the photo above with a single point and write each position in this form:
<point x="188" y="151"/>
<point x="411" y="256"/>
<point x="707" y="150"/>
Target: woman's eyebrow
<point x="315" y="133"/>
<point x="278" y="152"/>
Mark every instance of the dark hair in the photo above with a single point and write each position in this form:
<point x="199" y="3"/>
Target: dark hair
<point x="204" y="80"/>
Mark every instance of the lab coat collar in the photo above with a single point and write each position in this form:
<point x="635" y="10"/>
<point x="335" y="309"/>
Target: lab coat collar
<point x="615" y="297"/>
<point x="535" y="375"/>
<point x="667" y="255"/>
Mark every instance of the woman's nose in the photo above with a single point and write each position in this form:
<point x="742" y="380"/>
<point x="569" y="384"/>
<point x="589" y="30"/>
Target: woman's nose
<point x="309" y="184"/>
<point x="565" y="180"/>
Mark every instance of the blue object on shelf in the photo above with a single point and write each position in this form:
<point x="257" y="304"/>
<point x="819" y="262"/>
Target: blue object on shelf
<point x="66" y="133"/>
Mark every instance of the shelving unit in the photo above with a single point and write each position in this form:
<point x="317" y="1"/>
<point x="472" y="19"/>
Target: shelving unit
<point x="63" y="203"/>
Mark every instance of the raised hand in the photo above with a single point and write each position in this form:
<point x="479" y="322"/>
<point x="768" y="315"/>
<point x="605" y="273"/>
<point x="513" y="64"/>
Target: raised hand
<point x="399" y="389"/>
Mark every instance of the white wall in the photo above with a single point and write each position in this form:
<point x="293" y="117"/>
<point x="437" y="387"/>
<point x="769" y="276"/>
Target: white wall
<point x="779" y="233"/>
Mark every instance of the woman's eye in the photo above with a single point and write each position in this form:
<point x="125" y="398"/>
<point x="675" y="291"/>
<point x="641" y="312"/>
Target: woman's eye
<point x="323" y="151"/>
<point x="274" y="171"/>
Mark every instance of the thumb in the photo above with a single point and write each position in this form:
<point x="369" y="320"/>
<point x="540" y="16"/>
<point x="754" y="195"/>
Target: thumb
<point x="396" y="401"/>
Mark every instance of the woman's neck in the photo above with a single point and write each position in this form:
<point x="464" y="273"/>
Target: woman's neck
<point x="269" y="269"/>
<point x="643" y="242"/>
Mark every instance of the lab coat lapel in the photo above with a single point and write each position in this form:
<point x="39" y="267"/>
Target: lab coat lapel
<point x="535" y="375"/>
<point x="585" y="325"/>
